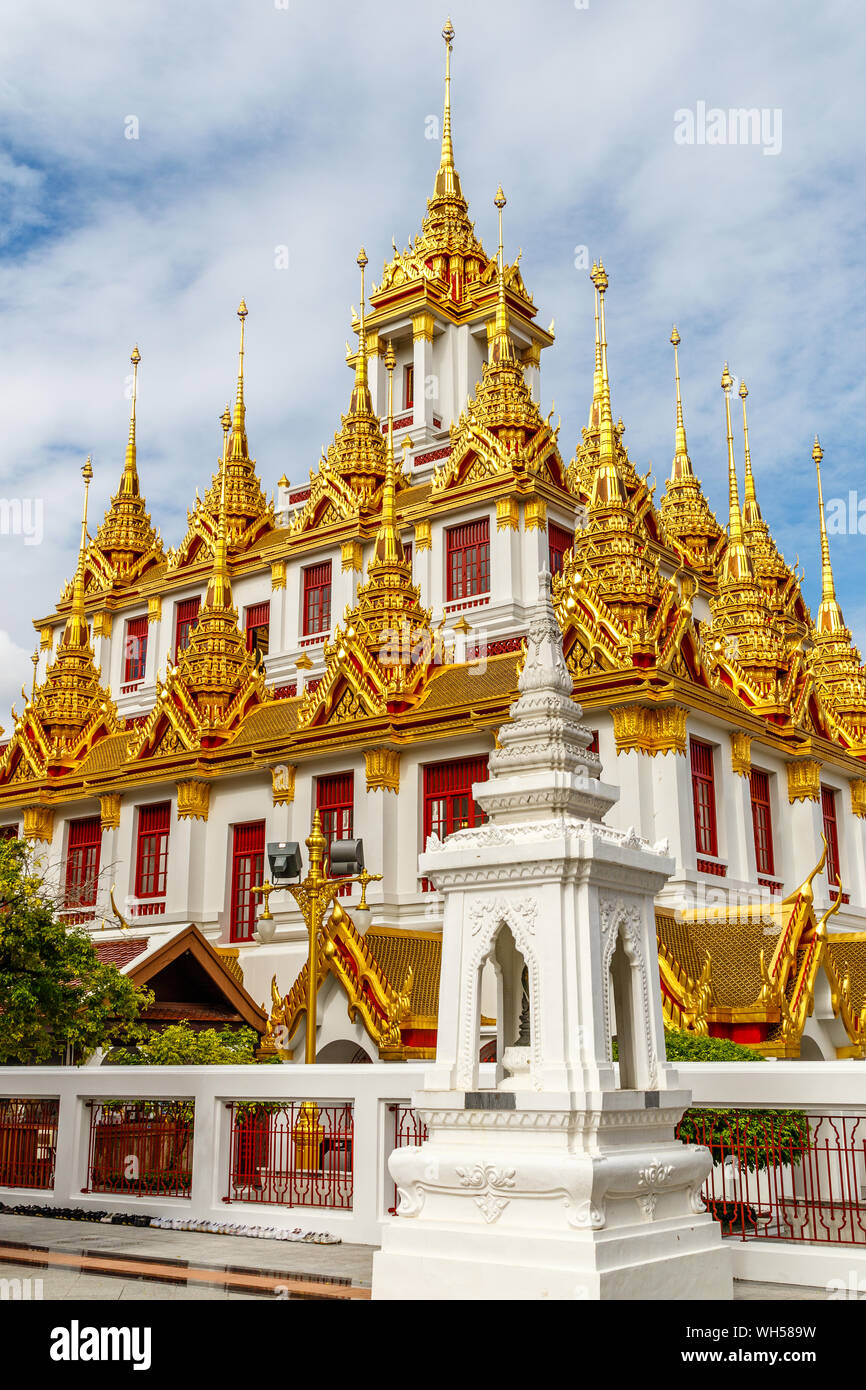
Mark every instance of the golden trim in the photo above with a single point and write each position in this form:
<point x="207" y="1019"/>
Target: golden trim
<point x="278" y="574"/>
<point x="154" y="608"/>
<point x="741" y="753"/>
<point x="507" y="514"/>
<point x="39" y="823"/>
<point x="804" y="780"/>
<point x="535" y="514"/>
<point x="423" y="538"/>
<point x="422" y="327"/>
<point x="858" y="797"/>
<point x="283" y="784"/>
<point x="352" y="553"/>
<point x="383" y="769"/>
<point x="193" y="800"/>
<point x="650" y="728"/>
<point x="109" y="811"/>
<point x="102" y="624"/>
<point x="46" y="638"/>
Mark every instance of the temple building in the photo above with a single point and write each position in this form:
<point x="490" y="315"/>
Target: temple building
<point x="353" y="645"/>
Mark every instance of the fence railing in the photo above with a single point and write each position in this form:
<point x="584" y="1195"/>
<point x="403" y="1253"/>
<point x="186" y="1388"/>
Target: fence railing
<point x="781" y="1177"/>
<point x="408" y="1128"/>
<point x="140" y="1148"/>
<point x="28" y="1142"/>
<point x="291" y="1153"/>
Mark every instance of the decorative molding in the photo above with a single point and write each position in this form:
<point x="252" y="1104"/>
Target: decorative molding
<point x="741" y="753"/>
<point x="532" y="355"/>
<point x="193" y="800"/>
<point x="422" y="327"/>
<point x="283" y="784"/>
<point x="535" y="514"/>
<point x="423" y="539"/>
<point x="804" y="780"/>
<point x="507" y="514"/>
<point x="278" y="574"/>
<point x="383" y="769"/>
<point x="650" y="728"/>
<point x="39" y="823"/>
<point x="154" y="608"/>
<point x="102" y="624"/>
<point x="109" y="810"/>
<point x="858" y="797"/>
<point x="619" y="918"/>
<point x="352" y="555"/>
<point x="46" y="638"/>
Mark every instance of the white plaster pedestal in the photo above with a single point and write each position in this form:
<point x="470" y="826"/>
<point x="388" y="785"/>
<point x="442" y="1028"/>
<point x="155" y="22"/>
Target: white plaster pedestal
<point x="564" y="1197"/>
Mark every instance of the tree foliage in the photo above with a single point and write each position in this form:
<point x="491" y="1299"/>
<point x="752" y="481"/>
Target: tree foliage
<point x="55" y="993"/>
<point x="694" y="1047"/>
<point x="179" y="1045"/>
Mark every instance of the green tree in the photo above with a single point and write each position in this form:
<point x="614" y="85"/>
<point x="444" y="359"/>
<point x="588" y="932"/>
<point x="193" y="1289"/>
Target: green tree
<point x="179" y="1045"/>
<point x="56" y="996"/>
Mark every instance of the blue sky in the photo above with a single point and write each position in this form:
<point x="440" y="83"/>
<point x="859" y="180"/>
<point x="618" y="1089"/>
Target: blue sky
<point x="261" y="126"/>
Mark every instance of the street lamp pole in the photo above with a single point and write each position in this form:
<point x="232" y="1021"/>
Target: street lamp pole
<point x="314" y="895"/>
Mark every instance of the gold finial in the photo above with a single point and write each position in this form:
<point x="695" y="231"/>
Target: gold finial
<point x="682" y="467"/>
<point x="447" y="179"/>
<point x="361" y="401"/>
<point x="751" y="510"/>
<point x="219" y="588"/>
<point x="239" y="438"/>
<point x="388" y="545"/>
<point x="75" y="632"/>
<point x="829" y="617"/>
<point x="736" y="564"/>
<point x="35" y="659"/>
<point x="595" y="408"/>
<point x="501" y="345"/>
<point x="607" y="484"/>
<point x="129" y="482"/>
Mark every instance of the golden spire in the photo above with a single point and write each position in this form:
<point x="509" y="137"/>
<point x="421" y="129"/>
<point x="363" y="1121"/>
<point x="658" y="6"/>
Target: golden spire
<point x="829" y="617"/>
<point x="389" y="547"/>
<point x="129" y="481"/>
<point x="239" y="449"/>
<point x="76" y="633"/>
<point x="751" y="510"/>
<point x="595" y="408"/>
<point x="361" y="401"/>
<point x="682" y="467"/>
<point x="447" y="179"/>
<point x="500" y="349"/>
<point x="607" y="485"/>
<point x="736" y="564"/>
<point x="219" y="590"/>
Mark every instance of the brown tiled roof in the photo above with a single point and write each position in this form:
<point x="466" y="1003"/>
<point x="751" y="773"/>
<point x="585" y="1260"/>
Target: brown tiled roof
<point x="848" y="950"/>
<point x="276" y="719"/>
<point x="734" y="947"/>
<point x="108" y="754"/>
<point x="119" y="953"/>
<point x="470" y="684"/>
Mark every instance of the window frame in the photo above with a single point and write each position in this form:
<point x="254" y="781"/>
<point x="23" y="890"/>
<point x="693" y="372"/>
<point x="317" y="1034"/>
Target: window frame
<point x="130" y="678"/>
<point x="759" y="779"/>
<point x="81" y="870"/>
<point x="321" y="587"/>
<point x="562" y="534"/>
<point x="467" y="560"/>
<point x="156" y="812"/>
<point x="830" y="825"/>
<point x="257" y="617"/>
<point x="186" y="611"/>
<point x="248" y="862"/>
<point x="702" y="780"/>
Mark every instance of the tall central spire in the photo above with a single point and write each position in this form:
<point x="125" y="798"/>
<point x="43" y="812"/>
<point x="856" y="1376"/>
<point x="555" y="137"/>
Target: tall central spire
<point x="607" y="485"/>
<point x="751" y="510"/>
<point x="389" y="547"/>
<point x="76" y="632"/>
<point x="447" y="178"/>
<point x="682" y="467"/>
<point x="129" y="481"/>
<point x="829" y="617"/>
<point x="500" y="348"/>
<point x="239" y="448"/>
<point x="736" y="563"/>
<point x="219" y="589"/>
<point x="362" y="401"/>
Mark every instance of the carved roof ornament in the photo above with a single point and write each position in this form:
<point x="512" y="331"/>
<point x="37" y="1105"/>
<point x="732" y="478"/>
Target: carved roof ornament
<point x="770" y="569"/>
<point x="501" y="433"/>
<point x="216" y="681"/>
<point x="689" y="523"/>
<point x="835" y="661"/>
<point x="379" y="659"/>
<point x="248" y="514"/>
<point x="126" y="543"/>
<point x="71" y="710"/>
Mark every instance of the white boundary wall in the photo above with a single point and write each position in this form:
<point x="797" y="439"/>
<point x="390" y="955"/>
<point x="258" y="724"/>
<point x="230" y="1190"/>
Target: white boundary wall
<point x="816" y="1087"/>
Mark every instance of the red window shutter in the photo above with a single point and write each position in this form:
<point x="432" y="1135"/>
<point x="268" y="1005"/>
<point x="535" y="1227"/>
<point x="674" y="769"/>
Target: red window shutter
<point x="831" y="833"/>
<point x="408" y="387"/>
<point x="135" y="650"/>
<point x="593" y="746"/>
<point x="152" y="855"/>
<point x="248" y="863"/>
<point x="317" y="598"/>
<point x="335" y="802"/>
<point x="407" y="550"/>
<point x="82" y="861"/>
<point x="467" y="559"/>
<point x="186" y="614"/>
<point x="448" y="803"/>
<point x="8" y="832"/>
<point x="762" y="823"/>
<point x="559" y="541"/>
<point x="704" y="795"/>
<point x="257" y="620"/>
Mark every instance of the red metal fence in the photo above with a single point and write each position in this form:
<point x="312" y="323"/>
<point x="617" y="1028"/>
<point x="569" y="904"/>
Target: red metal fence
<point x="292" y="1153"/>
<point x="408" y="1129"/>
<point x="140" y="1148"/>
<point x="28" y="1142"/>
<point x="783" y="1176"/>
